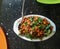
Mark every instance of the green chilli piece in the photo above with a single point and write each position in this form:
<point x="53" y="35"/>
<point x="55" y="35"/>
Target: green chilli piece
<point x="26" y="23"/>
<point x="32" y="18"/>
<point x="34" y="24"/>
<point x="47" y="32"/>
<point x="33" y="28"/>
<point x="39" y="20"/>
<point x="48" y="26"/>
<point x="42" y="26"/>
<point x="28" y="35"/>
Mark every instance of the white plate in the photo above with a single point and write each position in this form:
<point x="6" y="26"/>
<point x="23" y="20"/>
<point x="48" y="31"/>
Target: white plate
<point x="18" y="21"/>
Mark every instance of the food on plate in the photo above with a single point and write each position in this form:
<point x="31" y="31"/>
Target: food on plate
<point x="35" y="27"/>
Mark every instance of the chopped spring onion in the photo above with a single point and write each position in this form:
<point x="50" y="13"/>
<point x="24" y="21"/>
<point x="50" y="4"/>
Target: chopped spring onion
<point x="41" y="26"/>
<point x="26" y="23"/>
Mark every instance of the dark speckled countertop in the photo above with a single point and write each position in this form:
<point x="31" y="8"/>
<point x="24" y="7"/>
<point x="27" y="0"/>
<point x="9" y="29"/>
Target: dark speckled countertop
<point x="10" y="10"/>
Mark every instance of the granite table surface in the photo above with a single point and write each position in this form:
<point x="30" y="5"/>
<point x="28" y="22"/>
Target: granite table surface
<point x="10" y="10"/>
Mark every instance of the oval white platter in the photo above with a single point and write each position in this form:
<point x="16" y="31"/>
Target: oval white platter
<point x="18" y="21"/>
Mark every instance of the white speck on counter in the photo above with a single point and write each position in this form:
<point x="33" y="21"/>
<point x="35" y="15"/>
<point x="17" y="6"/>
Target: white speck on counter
<point x="16" y="14"/>
<point x="8" y="29"/>
<point x="30" y="11"/>
<point x="10" y="4"/>
<point x="1" y="23"/>
<point x="6" y="33"/>
<point x="7" y="19"/>
<point x="33" y="3"/>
